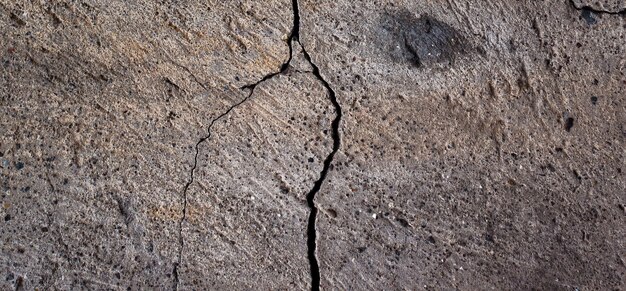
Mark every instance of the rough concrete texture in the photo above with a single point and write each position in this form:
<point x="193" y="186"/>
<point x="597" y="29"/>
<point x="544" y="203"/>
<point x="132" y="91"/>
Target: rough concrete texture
<point x="341" y="145"/>
<point x="607" y="6"/>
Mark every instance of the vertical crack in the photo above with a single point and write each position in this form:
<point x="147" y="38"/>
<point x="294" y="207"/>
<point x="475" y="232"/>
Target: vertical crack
<point x="587" y="9"/>
<point x="310" y="197"/>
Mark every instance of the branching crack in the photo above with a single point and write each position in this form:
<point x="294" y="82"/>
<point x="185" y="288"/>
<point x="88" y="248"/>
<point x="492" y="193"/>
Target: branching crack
<point x="599" y="11"/>
<point x="193" y="170"/>
<point x="310" y="197"/>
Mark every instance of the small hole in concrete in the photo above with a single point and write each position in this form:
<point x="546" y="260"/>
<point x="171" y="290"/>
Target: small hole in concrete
<point x="569" y="123"/>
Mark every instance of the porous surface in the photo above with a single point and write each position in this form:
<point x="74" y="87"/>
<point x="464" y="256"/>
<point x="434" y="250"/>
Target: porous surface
<point x="247" y="214"/>
<point x="499" y="167"/>
<point x="607" y="6"/>
<point x="101" y="106"/>
<point x="177" y="145"/>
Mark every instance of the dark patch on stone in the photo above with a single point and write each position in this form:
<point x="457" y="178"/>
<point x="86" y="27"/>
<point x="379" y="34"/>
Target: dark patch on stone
<point x="402" y="222"/>
<point x="489" y="237"/>
<point x="587" y="14"/>
<point x="19" y="283"/>
<point x="432" y="41"/>
<point x="19" y="165"/>
<point x="594" y="100"/>
<point x="609" y="7"/>
<point x="569" y="123"/>
<point x="18" y="21"/>
<point x="424" y="41"/>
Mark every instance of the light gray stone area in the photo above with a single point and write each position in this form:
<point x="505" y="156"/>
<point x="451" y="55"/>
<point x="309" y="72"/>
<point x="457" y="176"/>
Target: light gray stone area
<point x="329" y="144"/>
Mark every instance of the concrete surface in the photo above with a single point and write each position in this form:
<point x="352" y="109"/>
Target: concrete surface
<point x="336" y="145"/>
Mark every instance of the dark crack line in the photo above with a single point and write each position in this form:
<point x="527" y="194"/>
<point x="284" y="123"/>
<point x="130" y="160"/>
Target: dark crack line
<point x="589" y="8"/>
<point x="294" y="36"/>
<point x="416" y="58"/>
<point x="310" y="197"/>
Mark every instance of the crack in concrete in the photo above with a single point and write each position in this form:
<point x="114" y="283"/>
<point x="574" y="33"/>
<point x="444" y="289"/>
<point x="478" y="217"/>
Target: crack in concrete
<point x="311" y="231"/>
<point x="310" y="197"/>
<point x="191" y="179"/>
<point x="591" y="9"/>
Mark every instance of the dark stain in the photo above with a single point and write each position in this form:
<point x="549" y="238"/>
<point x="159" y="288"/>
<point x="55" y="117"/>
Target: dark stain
<point x="599" y="9"/>
<point x="19" y="283"/>
<point x="489" y="237"/>
<point x="424" y="41"/>
<point x="403" y="222"/>
<point x="432" y="41"/>
<point x="569" y="123"/>
<point x="17" y="20"/>
<point x="587" y="14"/>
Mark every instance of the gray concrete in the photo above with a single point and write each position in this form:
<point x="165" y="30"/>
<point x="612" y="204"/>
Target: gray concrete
<point x="341" y="145"/>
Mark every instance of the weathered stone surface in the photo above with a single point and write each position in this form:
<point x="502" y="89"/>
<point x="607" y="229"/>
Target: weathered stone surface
<point x="101" y="106"/>
<point x="608" y="6"/>
<point x="182" y="145"/>
<point x="246" y="223"/>
<point x="502" y="169"/>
